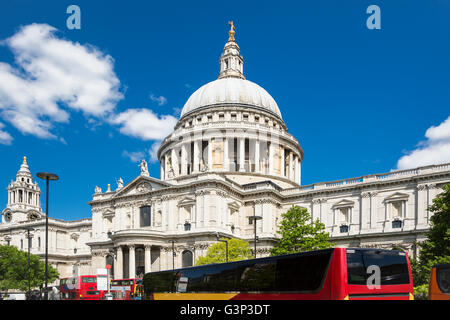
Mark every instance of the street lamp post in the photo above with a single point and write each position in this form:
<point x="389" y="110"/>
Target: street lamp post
<point x="254" y="219"/>
<point x="47" y="176"/>
<point x="226" y="245"/>
<point x="29" y="267"/>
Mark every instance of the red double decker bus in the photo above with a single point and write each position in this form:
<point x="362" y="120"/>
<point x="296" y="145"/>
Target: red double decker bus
<point x="126" y="289"/>
<point x="329" y="274"/>
<point x="80" y="288"/>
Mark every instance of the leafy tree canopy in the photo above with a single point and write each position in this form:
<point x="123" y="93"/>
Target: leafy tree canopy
<point x="436" y="248"/>
<point x="14" y="269"/>
<point x="237" y="250"/>
<point x="299" y="233"/>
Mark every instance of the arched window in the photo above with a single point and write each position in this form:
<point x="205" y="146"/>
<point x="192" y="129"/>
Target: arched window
<point x="187" y="258"/>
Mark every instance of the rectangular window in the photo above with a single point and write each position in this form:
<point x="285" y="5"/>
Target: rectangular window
<point x="396" y="224"/>
<point x="89" y="280"/>
<point x="145" y="216"/>
<point x="392" y="264"/>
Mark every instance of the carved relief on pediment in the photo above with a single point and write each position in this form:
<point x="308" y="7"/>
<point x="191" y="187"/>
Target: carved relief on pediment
<point x="144" y="187"/>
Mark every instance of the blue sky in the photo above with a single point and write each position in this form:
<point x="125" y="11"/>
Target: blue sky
<point x="359" y="101"/>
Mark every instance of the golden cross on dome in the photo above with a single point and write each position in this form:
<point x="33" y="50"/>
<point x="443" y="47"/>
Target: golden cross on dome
<point x="231" y="32"/>
<point x="24" y="160"/>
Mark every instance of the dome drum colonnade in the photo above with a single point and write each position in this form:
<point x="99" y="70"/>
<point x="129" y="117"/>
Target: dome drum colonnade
<point x="231" y="125"/>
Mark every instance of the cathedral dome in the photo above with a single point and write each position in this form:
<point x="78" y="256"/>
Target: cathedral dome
<point x="231" y="127"/>
<point x="231" y="90"/>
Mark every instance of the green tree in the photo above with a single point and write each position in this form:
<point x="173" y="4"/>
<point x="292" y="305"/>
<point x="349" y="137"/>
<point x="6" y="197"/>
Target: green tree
<point x="14" y="269"/>
<point x="436" y="248"/>
<point x="237" y="250"/>
<point x="299" y="234"/>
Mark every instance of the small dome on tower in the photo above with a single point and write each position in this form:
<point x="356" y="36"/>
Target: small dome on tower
<point x="24" y="170"/>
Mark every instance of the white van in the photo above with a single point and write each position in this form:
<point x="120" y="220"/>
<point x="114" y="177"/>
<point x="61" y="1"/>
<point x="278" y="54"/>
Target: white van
<point x="15" y="296"/>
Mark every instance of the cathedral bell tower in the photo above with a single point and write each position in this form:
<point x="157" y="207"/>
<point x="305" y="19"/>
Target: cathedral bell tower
<point x="24" y="197"/>
<point x="231" y="63"/>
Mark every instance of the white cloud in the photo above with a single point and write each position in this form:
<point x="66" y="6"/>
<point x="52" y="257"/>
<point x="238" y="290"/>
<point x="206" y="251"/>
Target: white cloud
<point x="53" y="77"/>
<point x="154" y="151"/>
<point x="134" y="156"/>
<point x="160" y="100"/>
<point x="137" y="156"/>
<point x="5" y="137"/>
<point x="144" y="124"/>
<point x="434" y="150"/>
<point x="52" y="73"/>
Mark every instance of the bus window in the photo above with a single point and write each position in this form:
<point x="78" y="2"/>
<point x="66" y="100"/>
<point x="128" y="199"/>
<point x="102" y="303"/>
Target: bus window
<point x="439" y="285"/>
<point x="302" y="273"/>
<point x="89" y="280"/>
<point x="443" y="279"/>
<point x="257" y="277"/>
<point x="393" y="266"/>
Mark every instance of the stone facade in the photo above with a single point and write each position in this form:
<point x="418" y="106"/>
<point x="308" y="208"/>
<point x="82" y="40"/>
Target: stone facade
<point x="229" y="158"/>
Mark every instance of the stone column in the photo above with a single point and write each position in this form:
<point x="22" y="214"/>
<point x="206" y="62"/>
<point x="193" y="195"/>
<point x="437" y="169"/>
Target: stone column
<point x="174" y="162"/>
<point x="148" y="258"/>
<point x="162" y="166"/>
<point x="210" y="145"/>
<point x="365" y="211"/>
<point x="198" y="210"/>
<point x="226" y="162"/>
<point x="183" y="159"/>
<point x="373" y="210"/>
<point x="291" y="166"/>
<point x="197" y="147"/>
<point x="163" y="258"/>
<point x="241" y="154"/>
<point x="257" y="166"/>
<point x="132" y="261"/>
<point x="283" y="164"/>
<point x="271" y="158"/>
<point x="421" y="206"/>
<point x="118" y="266"/>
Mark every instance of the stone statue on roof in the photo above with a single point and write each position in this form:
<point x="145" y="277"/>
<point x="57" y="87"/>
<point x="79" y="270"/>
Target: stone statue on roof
<point x="144" y="168"/>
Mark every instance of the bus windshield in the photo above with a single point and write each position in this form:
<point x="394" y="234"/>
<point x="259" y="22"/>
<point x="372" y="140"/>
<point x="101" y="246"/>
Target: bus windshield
<point x="393" y="266"/>
<point x="443" y="279"/>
